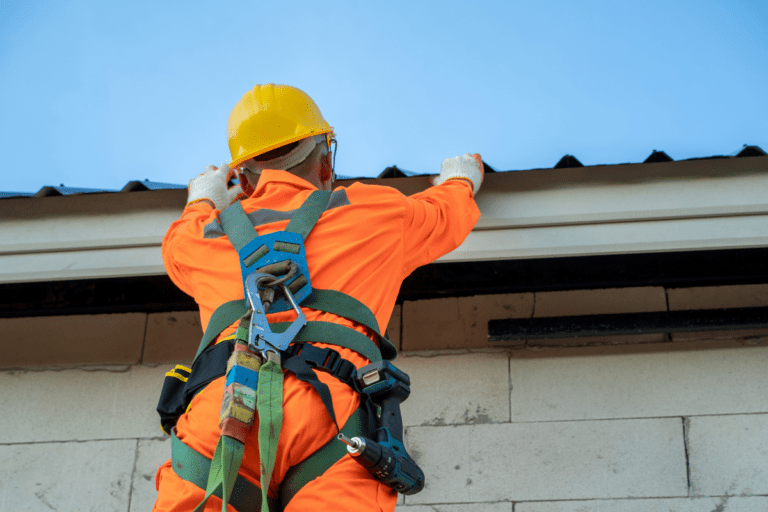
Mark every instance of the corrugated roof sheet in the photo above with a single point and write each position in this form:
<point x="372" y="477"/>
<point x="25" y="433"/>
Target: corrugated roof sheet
<point x="133" y="186"/>
<point x="567" y="161"/>
<point x="62" y="190"/>
<point x="15" y="194"/>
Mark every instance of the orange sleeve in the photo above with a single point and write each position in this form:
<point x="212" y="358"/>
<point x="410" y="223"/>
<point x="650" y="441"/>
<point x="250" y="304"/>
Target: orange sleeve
<point x="437" y="221"/>
<point x="179" y="244"/>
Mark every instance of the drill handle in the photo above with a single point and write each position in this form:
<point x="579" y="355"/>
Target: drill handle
<point x="391" y="419"/>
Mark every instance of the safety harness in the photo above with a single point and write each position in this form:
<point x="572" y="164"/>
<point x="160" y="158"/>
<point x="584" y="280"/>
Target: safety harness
<point x="253" y="360"/>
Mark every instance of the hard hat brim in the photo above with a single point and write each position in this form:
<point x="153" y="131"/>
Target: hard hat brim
<point x="280" y="143"/>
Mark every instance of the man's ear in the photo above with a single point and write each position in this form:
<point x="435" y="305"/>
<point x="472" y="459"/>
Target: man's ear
<point x="326" y="172"/>
<point x="248" y="185"/>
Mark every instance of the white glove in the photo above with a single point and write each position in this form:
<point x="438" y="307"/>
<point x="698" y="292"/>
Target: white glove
<point x="212" y="186"/>
<point x="466" y="166"/>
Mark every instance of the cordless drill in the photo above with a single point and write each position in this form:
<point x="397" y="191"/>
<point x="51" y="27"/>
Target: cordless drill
<point x="386" y="458"/>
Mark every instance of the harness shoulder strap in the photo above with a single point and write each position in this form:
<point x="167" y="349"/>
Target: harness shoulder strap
<point x="309" y="213"/>
<point x="224" y="316"/>
<point x="237" y="226"/>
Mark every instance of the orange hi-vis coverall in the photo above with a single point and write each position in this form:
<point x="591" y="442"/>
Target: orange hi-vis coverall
<point x="365" y="244"/>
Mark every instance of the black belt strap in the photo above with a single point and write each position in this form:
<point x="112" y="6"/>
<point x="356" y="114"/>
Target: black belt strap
<point x="300" y="358"/>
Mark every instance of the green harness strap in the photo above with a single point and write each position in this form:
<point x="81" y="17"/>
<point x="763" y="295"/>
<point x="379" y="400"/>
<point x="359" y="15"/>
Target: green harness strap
<point x="194" y="467"/>
<point x="229" y="312"/>
<point x="319" y="462"/>
<point x="269" y="404"/>
<point x="237" y="226"/>
<point x="305" y="218"/>
<point x="240" y="231"/>
<point x="341" y="304"/>
<point x="223" y="471"/>
<point x="328" y="332"/>
<point x="224" y="316"/>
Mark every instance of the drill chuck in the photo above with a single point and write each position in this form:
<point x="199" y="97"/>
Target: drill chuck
<point x="367" y="453"/>
<point x="386" y="464"/>
<point x="355" y="445"/>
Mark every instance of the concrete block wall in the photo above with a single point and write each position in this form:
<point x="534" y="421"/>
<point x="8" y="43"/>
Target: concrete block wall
<point x="590" y="430"/>
<point x="78" y="429"/>
<point x="80" y="439"/>
<point x="496" y="430"/>
<point x="633" y="426"/>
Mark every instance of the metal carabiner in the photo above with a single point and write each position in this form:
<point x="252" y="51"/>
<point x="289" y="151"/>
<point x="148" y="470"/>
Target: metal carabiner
<point x="261" y="339"/>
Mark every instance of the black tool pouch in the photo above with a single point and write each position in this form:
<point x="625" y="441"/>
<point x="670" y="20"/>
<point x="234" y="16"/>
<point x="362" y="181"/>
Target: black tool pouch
<point x="171" y="403"/>
<point x="178" y="392"/>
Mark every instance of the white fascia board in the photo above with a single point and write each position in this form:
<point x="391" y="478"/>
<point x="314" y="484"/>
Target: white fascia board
<point x="617" y="209"/>
<point x="83" y="264"/>
<point x="624" y="193"/>
<point x="62" y="223"/>
<point x="85" y="236"/>
<point x="592" y="239"/>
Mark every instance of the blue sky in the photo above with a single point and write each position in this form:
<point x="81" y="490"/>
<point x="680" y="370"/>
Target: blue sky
<point x="96" y="94"/>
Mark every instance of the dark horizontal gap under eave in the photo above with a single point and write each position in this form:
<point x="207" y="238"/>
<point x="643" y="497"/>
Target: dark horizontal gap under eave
<point x="500" y="331"/>
<point x="149" y="294"/>
<point x="671" y="270"/>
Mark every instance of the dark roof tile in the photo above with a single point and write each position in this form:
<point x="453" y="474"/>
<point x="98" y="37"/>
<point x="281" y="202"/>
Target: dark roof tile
<point x="657" y="156"/>
<point x="751" y="151"/>
<point x="568" y="161"/>
<point x="395" y="172"/>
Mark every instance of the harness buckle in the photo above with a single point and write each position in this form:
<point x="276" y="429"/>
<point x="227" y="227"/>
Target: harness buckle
<point x="261" y="339"/>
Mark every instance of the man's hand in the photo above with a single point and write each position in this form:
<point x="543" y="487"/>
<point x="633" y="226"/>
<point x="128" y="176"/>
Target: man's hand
<point x="466" y="167"/>
<point x="212" y="186"/>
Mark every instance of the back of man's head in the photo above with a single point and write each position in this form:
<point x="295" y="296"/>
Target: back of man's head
<point x="277" y="127"/>
<point x="301" y="158"/>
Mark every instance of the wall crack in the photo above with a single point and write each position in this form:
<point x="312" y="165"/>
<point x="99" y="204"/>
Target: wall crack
<point x="686" y="428"/>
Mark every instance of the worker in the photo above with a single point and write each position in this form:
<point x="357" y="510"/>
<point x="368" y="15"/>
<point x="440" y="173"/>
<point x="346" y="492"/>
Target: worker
<point x="367" y="241"/>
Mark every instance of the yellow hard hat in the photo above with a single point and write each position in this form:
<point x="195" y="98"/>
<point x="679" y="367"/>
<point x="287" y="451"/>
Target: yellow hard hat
<point x="270" y="116"/>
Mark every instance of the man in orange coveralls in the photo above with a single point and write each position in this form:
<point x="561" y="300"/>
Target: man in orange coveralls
<point x="365" y="244"/>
